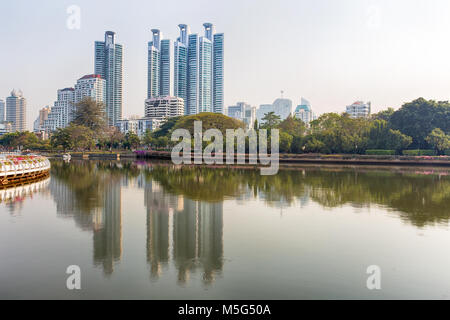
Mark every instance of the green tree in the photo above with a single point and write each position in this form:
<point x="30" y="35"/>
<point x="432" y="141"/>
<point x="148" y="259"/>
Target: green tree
<point x="285" y="142"/>
<point x="384" y="115"/>
<point x="439" y="140"/>
<point x="418" y="118"/>
<point x="270" y="120"/>
<point x="61" y="138"/>
<point x="293" y="126"/>
<point x="131" y="141"/>
<point x="91" y="114"/>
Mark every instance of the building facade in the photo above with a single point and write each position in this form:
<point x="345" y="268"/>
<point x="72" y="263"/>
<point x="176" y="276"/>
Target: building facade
<point x="181" y="64"/>
<point x="138" y="126"/>
<point x="281" y="107"/>
<point x="304" y="112"/>
<point x="359" y="109"/>
<point x="16" y="106"/>
<point x="2" y="111"/>
<point x="63" y="111"/>
<point x="38" y="125"/>
<point x="108" y="64"/>
<point x="219" y="73"/>
<point x="243" y="112"/>
<point x="163" y="108"/>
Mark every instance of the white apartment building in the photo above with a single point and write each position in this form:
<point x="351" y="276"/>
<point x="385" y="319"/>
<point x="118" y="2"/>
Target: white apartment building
<point x="138" y="126"/>
<point x="164" y="107"/>
<point x="63" y="111"/>
<point x="359" y="109"/>
<point x="281" y="107"/>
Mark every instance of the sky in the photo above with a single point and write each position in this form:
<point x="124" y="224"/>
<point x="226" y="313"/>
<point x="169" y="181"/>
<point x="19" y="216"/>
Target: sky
<point x="332" y="52"/>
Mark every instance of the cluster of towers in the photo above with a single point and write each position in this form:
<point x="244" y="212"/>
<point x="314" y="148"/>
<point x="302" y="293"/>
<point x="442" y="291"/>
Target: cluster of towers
<point x="198" y="71"/>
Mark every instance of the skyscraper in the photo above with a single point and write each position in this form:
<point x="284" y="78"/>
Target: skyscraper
<point x="16" y="106"/>
<point x="218" y="73"/>
<point x="2" y="111"/>
<point x="181" y="64"/>
<point x="159" y="73"/>
<point x="205" y="73"/>
<point x="108" y="64"/>
<point x="165" y="72"/>
<point x="192" y="78"/>
<point x="154" y="64"/>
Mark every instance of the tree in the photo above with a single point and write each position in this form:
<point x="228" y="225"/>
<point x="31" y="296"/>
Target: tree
<point x="166" y="128"/>
<point x="418" y="118"/>
<point x="382" y="137"/>
<point x="384" y="115"/>
<point x="293" y="126"/>
<point x="270" y="120"/>
<point x="61" y="138"/>
<point x="81" y="137"/>
<point x="111" y="138"/>
<point x="285" y="142"/>
<point x="439" y="140"/>
<point x="131" y="141"/>
<point x="148" y="138"/>
<point x="91" y="114"/>
<point x="20" y="140"/>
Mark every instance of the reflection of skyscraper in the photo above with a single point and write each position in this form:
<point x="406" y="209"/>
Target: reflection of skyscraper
<point x="185" y="239"/>
<point x="210" y="239"/>
<point x="157" y="228"/>
<point x="108" y="239"/>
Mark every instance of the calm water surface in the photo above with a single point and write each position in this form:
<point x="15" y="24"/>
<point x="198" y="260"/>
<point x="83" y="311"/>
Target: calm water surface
<point x="155" y="231"/>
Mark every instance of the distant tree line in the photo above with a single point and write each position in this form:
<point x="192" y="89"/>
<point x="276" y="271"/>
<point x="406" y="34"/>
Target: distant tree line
<point x="420" y="124"/>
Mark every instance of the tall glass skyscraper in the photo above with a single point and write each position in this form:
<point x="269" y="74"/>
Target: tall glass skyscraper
<point x="159" y="53"/>
<point x="218" y="73"/>
<point x="192" y="78"/>
<point x="165" y="68"/>
<point x="108" y="64"/>
<point x="181" y="64"/>
<point x="16" y="106"/>
<point x="205" y="75"/>
<point x="154" y="63"/>
<point x="198" y="69"/>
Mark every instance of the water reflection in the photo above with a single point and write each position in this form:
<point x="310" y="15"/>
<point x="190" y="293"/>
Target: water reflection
<point x="14" y="197"/>
<point x="184" y="205"/>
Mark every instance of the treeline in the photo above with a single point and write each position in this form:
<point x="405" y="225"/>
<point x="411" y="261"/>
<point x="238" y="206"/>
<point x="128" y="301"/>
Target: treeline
<point x="421" y="127"/>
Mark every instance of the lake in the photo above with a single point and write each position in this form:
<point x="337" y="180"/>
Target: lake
<point x="152" y="230"/>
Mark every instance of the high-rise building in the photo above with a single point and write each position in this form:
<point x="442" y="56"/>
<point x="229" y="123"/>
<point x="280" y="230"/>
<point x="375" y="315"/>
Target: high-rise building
<point x="304" y="112"/>
<point x="205" y="73"/>
<point x="63" y="111"/>
<point x="165" y="71"/>
<point x="359" y="109"/>
<point x="2" y="111"/>
<point x="181" y="64"/>
<point x="108" y="64"/>
<point x="193" y="74"/>
<point x="164" y="107"/>
<point x="38" y="125"/>
<point x="244" y="112"/>
<point x="16" y="106"/>
<point x="281" y="107"/>
<point x="91" y="85"/>
<point x="159" y="66"/>
<point x="154" y="65"/>
<point x="218" y="73"/>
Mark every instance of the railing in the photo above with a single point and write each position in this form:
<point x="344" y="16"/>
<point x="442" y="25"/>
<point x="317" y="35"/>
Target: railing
<point x="16" y="164"/>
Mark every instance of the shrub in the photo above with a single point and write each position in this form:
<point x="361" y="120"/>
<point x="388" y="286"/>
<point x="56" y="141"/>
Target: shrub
<point x="380" y="152"/>
<point x="447" y="152"/>
<point x="419" y="152"/>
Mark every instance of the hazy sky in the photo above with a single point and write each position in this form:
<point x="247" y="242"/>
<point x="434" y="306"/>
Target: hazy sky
<point x="332" y="52"/>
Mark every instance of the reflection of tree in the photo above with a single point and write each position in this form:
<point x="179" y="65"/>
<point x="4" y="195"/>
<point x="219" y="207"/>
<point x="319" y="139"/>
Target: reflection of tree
<point x="421" y="198"/>
<point x="90" y="193"/>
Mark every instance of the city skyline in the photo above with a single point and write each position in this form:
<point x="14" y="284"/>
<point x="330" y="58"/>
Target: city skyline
<point x="311" y="57"/>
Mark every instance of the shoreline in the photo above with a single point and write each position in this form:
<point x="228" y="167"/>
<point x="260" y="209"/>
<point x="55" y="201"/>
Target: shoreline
<point x="286" y="159"/>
